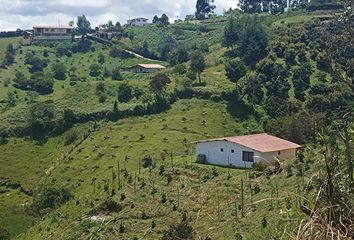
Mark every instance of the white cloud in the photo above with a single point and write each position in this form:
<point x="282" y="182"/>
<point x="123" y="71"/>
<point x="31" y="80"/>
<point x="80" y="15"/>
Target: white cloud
<point x="24" y="13"/>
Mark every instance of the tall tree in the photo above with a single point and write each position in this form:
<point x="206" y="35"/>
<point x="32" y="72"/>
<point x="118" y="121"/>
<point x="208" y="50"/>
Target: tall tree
<point x="164" y="20"/>
<point x="204" y="8"/>
<point x="235" y="69"/>
<point x="197" y="63"/>
<point x="83" y="25"/>
<point x="253" y="40"/>
<point x="231" y="33"/>
<point x="9" y="56"/>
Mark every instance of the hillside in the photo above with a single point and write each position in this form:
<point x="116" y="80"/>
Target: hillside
<point x="89" y="157"/>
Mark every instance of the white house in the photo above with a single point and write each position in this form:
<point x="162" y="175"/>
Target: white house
<point x="243" y="151"/>
<point x="137" y="22"/>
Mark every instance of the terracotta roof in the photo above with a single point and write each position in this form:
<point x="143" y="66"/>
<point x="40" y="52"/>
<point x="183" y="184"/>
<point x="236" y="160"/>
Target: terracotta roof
<point x="259" y="142"/>
<point x="152" y="66"/>
<point x="53" y="26"/>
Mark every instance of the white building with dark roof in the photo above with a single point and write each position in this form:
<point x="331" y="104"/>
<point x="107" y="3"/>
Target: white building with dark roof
<point x="243" y="151"/>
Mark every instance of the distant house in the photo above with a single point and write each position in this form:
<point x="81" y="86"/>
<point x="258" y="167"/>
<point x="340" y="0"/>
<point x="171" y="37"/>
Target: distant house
<point x="137" y="22"/>
<point x="243" y="151"/>
<point x="49" y="32"/>
<point x="146" y="68"/>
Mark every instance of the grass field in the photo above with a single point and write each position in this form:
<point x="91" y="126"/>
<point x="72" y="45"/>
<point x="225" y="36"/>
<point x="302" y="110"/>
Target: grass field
<point x="210" y="196"/>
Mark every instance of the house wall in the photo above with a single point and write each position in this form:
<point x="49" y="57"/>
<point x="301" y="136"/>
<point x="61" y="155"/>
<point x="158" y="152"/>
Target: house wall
<point x="281" y="155"/>
<point x="214" y="155"/>
<point x="55" y="33"/>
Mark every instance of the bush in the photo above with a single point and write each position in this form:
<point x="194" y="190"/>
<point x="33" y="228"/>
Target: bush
<point x="50" y="197"/>
<point x="116" y="75"/>
<point x="259" y="167"/>
<point x="4" y="234"/>
<point x="147" y="161"/>
<point x="71" y="136"/>
<point x="95" y="70"/>
<point x="180" y="69"/>
<point x="119" y="53"/>
<point x="125" y="93"/>
<point x="108" y="206"/>
<point x="182" y="230"/>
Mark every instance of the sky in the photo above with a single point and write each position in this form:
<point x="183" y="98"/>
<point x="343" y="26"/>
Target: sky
<point x="25" y="13"/>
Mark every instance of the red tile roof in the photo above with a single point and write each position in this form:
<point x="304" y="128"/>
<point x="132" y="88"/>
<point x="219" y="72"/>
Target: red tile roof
<point x="259" y="142"/>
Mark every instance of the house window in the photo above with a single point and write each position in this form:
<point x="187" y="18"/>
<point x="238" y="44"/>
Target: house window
<point x="232" y="150"/>
<point x="247" y="156"/>
<point x="221" y="149"/>
<point x="278" y="152"/>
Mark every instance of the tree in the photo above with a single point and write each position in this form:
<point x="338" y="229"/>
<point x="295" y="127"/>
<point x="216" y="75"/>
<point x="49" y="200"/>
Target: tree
<point x="36" y="63"/>
<point x="168" y="45"/>
<point x="11" y="99"/>
<point x="42" y="83"/>
<point x="100" y="88"/>
<point x="231" y="33"/>
<point x="180" y="55"/>
<point x="253" y="42"/>
<point x="116" y="75"/>
<point x="101" y="59"/>
<point x="155" y="19"/>
<point x="59" y="71"/>
<point x="95" y="70"/>
<point x="125" y="92"/>
<point x="235" y="69"/>
<point x="9" y="55"/>
<point x="83" y="25"/>
<point x="204" y="8"/>
<point x="197" y="63"/>
<point x="301" y="80"/>
<point x="20" y="80"/>
<point x="159" y="82"/>
<point x="40" y="116"/>
<point x="164" y="20"/>
<point x="253" y="88"/>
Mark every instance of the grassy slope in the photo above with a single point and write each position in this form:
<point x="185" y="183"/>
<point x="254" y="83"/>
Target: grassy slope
<point x="194" y="188"/>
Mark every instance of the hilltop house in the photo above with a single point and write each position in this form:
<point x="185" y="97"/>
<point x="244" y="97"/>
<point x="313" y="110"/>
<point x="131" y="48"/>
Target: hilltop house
<point x="137" y="22"/>
<point x="52" y="32"/>
<point x="146" y="68"/>
<point x="243" y="151"/>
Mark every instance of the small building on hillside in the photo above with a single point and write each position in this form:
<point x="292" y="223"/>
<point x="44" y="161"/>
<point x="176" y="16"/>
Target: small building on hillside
<point x="243" y="151"/>
<point x="52" y="32"/>
<point x="137" y="22"/>
<point x="146" y="68"/>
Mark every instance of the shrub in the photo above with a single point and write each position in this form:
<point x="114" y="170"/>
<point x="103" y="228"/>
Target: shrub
<point x="147" y="161"/>
<point x="116" y="75"/>
<point x="50" y="197"/>
<point x="95" y="70"/>
<point x="107" y="207"/>
<point x="125" y="92"/>
<point x="182" y="230"/>
<point x="119" y="53"/>
<point x="71" y="136"/>
<point x="259" y="167"/>
<point x="4" y="234"/>
<point x="180" y="69"/>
